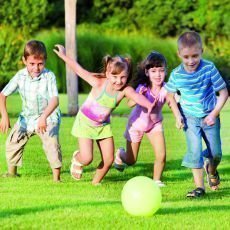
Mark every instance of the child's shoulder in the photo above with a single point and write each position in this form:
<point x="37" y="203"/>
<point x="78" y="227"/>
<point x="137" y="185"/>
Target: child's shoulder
<point x="178" y="69"/>
<point x="207" y="63"/>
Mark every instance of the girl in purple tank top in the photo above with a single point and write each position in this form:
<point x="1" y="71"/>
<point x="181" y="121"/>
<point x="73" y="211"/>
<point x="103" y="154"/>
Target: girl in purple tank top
<point x="151" y="73"/>
<point x="92" y="121"/>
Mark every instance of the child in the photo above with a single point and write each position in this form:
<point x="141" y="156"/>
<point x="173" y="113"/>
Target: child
<point x="40" y="113"/>
<point x="93" y="119"/>
<point x="152" y="73"/>
<point x="198" y="80"/>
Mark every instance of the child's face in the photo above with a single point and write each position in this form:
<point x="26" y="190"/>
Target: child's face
<point x="156" y="75"/>
<point x="34" y="65"/>
<point x="118" y="81"/>
<point x="190" y="57"/>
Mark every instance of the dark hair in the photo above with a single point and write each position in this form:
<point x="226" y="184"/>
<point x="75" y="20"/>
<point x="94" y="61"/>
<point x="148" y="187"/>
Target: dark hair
<point x="117" y="64"/>
<point x="189" y="39"/>
<point x="154" y="59"/>
<point x="35" y="48"/>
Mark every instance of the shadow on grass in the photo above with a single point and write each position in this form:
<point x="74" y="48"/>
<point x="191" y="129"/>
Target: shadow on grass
<point x="177" y="210"/>
<point x="146" y="169"/>
<point x="25" y="211"/>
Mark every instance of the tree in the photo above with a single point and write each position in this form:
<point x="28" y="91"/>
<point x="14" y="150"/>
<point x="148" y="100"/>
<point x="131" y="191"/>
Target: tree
<point x="70" y="44"/>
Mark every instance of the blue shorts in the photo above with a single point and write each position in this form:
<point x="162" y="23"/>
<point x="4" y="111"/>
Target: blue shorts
<point x="195" y="130"/>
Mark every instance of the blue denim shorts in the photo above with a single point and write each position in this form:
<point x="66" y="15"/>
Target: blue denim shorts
<point x="195" y="130"/>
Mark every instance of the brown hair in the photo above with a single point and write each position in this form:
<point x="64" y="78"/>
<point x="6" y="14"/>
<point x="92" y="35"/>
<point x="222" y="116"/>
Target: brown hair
<point x="189" y="39"/>
<point x="154" y="59"/>
<point x="117" y="64"/>
<point x="35" y="48"/>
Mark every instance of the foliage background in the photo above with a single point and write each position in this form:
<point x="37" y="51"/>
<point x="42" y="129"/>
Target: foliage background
<point x="133" y="27"/>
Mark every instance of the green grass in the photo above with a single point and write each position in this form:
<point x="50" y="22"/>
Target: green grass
<point x="33" y="201"/>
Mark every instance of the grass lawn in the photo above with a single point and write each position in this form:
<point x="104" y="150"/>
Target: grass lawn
<point x="33" y="201"/>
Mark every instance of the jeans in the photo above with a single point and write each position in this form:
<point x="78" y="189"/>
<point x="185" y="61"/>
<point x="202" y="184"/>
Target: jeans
<point x="195" y="129"/>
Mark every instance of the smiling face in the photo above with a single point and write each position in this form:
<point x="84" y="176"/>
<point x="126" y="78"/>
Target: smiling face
<point x="119" y="80"/>
<point x="156" y="75"/>
<point x="190" y="57"/>
<point x="34" y="65"/>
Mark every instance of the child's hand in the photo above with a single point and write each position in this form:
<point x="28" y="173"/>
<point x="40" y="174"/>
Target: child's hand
<point x="42" y="124"/>
<point x="143" y="90"/>
<point x="60" y="50"/>
<point x="210" y="120"/>
<point x="180" y="122"/>
<point x="153" y="105"/>
<point x="4" y="124"/>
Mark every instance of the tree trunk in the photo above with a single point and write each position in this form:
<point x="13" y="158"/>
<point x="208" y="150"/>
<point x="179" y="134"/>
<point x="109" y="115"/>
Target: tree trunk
<point x="71" y="50"/>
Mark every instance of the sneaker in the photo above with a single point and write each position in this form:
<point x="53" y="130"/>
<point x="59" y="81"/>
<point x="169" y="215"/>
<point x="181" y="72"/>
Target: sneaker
<point x="118" y="163"/>
<point x="159" y="183"/>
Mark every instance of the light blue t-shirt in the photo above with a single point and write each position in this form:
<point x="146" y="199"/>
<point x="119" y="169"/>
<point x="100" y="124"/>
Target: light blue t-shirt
<point x="197" y="89"/>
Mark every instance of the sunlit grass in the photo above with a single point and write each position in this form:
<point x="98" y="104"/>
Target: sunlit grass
<point x="33" y="201"/>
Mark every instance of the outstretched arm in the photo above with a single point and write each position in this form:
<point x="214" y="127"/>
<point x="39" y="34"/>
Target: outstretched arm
<point x="130" y="93"/>
<point x="170" y="99"/>
<point x="223" y="96"/>
<point x="74" y="65"/>
<point x="5" y="121"/>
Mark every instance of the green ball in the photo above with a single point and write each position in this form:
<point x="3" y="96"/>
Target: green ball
<point x="141" y="196"/>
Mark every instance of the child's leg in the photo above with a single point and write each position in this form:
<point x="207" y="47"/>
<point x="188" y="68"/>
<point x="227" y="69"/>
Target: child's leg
<point x="198" y="177"/>
<point x="52" y="149"/>
<point x="128" y="157"/>
<point x="157" y="141"/>
<point x="56" y="174"/>
<point x="15" y="144"/>
<point x="82" y="157"/>
<point x="106" y="147"/>
<point x="132" y="149"/>
<point x="211" y="135"/>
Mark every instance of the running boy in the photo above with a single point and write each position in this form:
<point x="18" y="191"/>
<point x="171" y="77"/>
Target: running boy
<point x="40" y="113"/>
<point x="198" y="81"/>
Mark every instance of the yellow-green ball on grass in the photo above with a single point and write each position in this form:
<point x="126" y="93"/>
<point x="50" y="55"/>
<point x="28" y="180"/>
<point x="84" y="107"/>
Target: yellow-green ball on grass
<point x="141" y="196"/>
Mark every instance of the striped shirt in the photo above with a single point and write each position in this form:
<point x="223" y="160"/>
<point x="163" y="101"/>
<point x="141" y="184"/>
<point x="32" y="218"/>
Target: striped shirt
<point x="35" y="94"/>
<point x="197" y="89"/>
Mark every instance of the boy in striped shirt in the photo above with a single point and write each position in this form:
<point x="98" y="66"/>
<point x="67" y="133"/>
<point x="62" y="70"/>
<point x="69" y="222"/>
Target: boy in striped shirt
<point x="198" y="81"/>
<point x="40" y="113"/>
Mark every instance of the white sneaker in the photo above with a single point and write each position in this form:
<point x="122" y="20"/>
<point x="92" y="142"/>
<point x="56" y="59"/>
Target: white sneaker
<point x="159" y="183"/>
<point x="118" y="163"/>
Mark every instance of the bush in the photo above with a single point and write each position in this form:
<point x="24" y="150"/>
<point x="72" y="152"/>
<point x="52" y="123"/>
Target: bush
<point x="27" y="15"/>
<point x="11" y="46"/>
<point x="92" y="47"/>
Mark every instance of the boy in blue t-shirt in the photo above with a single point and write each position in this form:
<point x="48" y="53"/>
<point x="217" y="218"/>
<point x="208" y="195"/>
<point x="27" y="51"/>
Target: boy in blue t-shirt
<point x="198" y="80"/>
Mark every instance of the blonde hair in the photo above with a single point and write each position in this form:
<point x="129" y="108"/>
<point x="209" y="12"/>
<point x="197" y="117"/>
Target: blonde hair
<point x="117" y="64"/>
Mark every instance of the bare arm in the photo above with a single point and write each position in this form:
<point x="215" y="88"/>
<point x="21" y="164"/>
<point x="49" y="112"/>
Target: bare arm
<point x="75" y="66"/>
<point x="53" y="103"/>
<point x="137" y="98"/>
<point x="131" y="103"/>
<point x="223" y="96"/>
<point x="5" y="121"/>
<point x="170" y="99"/>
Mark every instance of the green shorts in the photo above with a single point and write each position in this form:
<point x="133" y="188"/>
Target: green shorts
<point x="83" y="127"/>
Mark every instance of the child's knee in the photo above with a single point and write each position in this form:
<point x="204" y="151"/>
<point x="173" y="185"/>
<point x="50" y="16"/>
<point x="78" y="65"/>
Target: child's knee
<point x="161" y="159"/>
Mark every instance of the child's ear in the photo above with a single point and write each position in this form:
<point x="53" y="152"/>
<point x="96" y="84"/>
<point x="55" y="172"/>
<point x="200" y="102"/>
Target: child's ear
<point x="178" y="53"/>
<point x="146" y="72"/>
<point x="24" y="60"/>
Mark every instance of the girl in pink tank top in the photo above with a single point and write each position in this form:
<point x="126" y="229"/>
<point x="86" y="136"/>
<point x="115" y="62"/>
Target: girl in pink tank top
<point x="151" y="73"/>
<point x="92" y="121"/>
